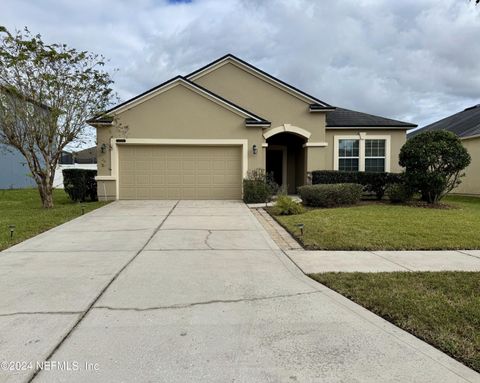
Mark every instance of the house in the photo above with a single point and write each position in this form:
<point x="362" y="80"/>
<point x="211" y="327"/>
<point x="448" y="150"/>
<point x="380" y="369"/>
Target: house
<point x="466" y="125"/>
<point x="86" y="156"/>
<point x="14" y="170"/>
<point x="197" y="136"/>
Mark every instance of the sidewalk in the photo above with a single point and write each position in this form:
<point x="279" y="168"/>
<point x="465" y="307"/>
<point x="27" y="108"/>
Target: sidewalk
<point x="380" y="261"/>
<point x="323" y="261"/>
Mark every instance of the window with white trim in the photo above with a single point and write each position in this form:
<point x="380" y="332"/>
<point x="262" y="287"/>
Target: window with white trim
<point x="375" y="155"/>
<point x="348" y="155"/>
<point x="362" y="152"/>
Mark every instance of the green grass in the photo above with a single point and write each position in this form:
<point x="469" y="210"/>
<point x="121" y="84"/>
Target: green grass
<point x="23" y="209"/>
<point x="390" y="227"/>
<point x="441" y="308"/>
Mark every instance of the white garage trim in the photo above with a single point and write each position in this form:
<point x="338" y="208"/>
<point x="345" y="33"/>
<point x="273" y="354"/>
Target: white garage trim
<point x="166" y="141"/>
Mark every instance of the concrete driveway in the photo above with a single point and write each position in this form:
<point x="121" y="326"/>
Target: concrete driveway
<point x="189" y="291"/>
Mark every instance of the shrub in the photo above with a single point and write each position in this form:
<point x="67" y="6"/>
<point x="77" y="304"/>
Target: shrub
<point x="375" y="183"/>
<point x="287" y="206"/>
<point x="434" y="161"/>
<point x="80" y="184"/>
<point x="258" y="187"/>
<point x="399" y="193"/>
<point x="330" y="195"/>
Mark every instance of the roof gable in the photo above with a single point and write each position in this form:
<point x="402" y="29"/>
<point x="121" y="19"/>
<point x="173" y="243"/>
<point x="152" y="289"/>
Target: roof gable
<point x="464" y="124"/>
<point x="231" y="59"/>
<point x="106" y="118"/>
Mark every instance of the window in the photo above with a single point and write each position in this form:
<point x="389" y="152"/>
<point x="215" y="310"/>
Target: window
<point x="362" y="152"/>
<point x="375" y="156"/>
<point x="348" y="155"/>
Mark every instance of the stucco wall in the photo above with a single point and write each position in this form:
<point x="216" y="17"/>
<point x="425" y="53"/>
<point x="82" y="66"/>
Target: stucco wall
<point x="182" y="114"/>
<point x="262" y="98"/>
<point x="178" y="113"/>
<point x="471" y="182"/>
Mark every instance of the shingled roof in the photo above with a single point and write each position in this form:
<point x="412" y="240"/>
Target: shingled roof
<point x="346" y="118"/>
<point x="464" y="124"/>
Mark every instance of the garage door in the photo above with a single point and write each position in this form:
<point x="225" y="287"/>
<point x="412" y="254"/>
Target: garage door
<point x="180" y="172"/>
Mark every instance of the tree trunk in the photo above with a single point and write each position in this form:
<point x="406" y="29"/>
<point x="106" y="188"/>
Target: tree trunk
<point x="46" y="194"/>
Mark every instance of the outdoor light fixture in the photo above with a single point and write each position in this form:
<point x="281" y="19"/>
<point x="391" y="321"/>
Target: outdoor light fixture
<point x="301" y="226"/>
<point x="103" y="148"/>
<point x="254" y="149"/>
<point x="12" y="229"/>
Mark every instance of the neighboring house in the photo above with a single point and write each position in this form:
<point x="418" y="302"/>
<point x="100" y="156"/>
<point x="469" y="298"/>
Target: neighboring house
<point x="466" y="125"/>
<point x="82" y="159"/>
<point x="14" y="170"/>
<point x="196" y="137"/>
<point x="86" y="156"/>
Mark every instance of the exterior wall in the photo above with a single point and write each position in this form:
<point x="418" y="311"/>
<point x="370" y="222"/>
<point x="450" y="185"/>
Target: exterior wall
<point x="178" y="113"/>
<point x="244" y="88"/>
<point x="397" y="140"/>
<point x="14" y="171"/>
<point x="471" y="182"/>
<point x="106" y="190"/>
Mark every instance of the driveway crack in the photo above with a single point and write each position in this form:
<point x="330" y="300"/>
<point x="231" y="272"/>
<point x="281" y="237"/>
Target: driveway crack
<point x="203" y="303"/>
<point x="41" y="313"/>
<point x="470" y="255"/>
<point x="207" y="238"/>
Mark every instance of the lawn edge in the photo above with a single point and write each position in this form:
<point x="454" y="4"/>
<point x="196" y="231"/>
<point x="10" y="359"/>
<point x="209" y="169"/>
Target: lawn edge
<point x="314" y="248"/>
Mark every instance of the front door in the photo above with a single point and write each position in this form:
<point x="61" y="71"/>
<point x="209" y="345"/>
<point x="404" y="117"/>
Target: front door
<point x="274" y="165"/>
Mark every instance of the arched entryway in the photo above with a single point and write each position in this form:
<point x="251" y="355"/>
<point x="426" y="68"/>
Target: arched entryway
<point x="286" y="160"/>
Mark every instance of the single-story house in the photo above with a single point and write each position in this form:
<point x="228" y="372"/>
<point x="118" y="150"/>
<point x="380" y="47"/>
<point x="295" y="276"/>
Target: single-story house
<point x="466" y="125"/>
<point x="197" y="136"/>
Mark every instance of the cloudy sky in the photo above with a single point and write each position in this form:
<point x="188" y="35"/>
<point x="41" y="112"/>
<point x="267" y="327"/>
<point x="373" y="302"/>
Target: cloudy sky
<point x="414" y="60"/>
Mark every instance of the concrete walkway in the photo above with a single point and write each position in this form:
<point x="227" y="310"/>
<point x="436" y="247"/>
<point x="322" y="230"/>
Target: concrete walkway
<point x="190" y="291"/>
<point x="379" y="261"/>
<point x="322" y="261"/>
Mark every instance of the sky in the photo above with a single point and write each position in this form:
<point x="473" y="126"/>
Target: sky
<point x="412" y="60"/>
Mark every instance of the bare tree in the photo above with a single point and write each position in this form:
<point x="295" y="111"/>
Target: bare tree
<point x="47" y="91"/>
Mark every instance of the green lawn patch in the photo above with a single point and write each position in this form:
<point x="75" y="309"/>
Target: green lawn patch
<point x="441" y="308"/>
<point x="22" y="208"/>
<point x="384" y="226"/>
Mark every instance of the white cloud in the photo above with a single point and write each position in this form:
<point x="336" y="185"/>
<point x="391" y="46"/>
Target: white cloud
<point x="411" y="59"/>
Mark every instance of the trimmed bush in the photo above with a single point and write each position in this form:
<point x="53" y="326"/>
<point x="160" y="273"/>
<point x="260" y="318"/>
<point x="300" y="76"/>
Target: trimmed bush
<point x="434" y="163"/>
<point x="258" y="187"/>
<point x="287" y="206"/>
<point x="399" y="193"/>
<point x="375" y="183"/>
<point x="330" y="195"/>
<point x="80" y="184"/>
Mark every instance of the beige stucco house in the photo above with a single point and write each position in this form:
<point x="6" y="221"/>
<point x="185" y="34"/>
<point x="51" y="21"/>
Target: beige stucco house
<point x="197" y="136"/>
<point x="466" y="125"/>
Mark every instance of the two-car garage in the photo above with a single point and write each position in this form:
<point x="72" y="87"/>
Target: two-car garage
<point x="179" y="172"/>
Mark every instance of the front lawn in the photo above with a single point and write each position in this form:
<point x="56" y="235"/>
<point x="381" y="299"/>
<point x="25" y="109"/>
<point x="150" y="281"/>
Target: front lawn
<point x="386" y="226"/>
<point x="23" y="209"/>
<point x="442" y="308"/>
